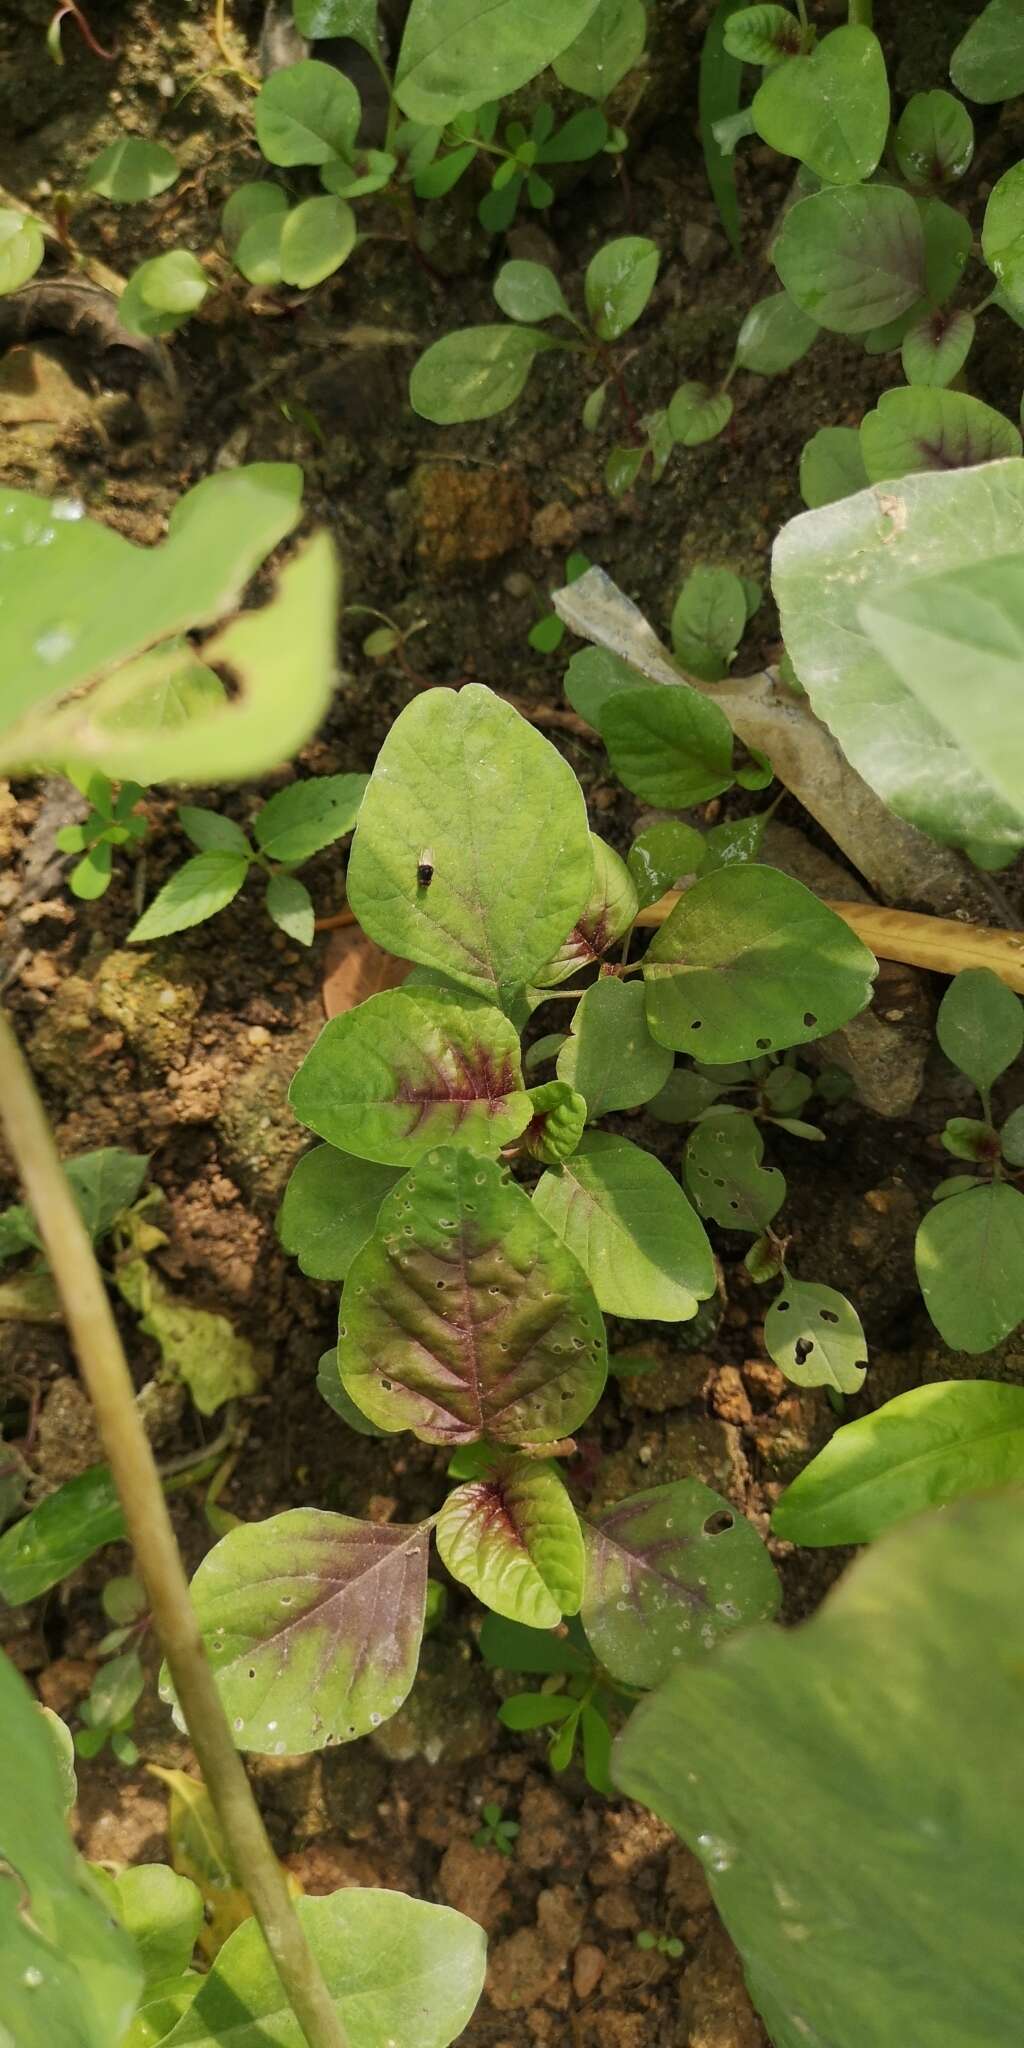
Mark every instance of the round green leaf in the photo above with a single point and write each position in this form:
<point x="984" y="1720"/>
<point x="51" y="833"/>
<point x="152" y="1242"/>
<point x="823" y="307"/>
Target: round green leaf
<point x="257" y="251"/>
<point x="458" y="54"/>
<point x="474" y="373"/>
<point x="618" y="283"/>
<point x="970" y="1266"/>
<point x="609" y="45"/>
<point x="923" y="428"/>
<point x="307" y="113"/>
<point x="923" y="1450"/>
<point x="774" y="335"/>
<point x="632" y="1229"/>
<point x="610" y="1056"/>
<point x="749" y="962"/>
<point x="594" y="675"/>
<point x="131" y="170"/>
<point x="162" y="293"/>
<point x="815" y="1337"/>
<point x="559" y="1116"/>
<point x="988" y="63"/>
<point x="853" y="257"/>
<point x="662" y="856"/>
<point x="607" y="914"/>
<point x="672" y="747"/>
<point x="163" y="1913"/>
<point x="830" y="108"/>
<point x="934" y="139"/>
<point x="670" y="1572"/>
<point x="410" y="1069"/>
<point x="936" y="348"/>
<point x="462" y="777"/>
<point x="831" y="466"/>
<point x="724" y="1172"/>
<point x="980" y="1026"/>
<point x="465" y="1317"/>
<point x="529" y="291"/>
<point x="697" y="414"/>
<point x="399" y="1971"/>
<point x="21" y="248"/>
<point x="329" y="1209"/>
<point x="248" y="204"/>
<point x="513" y="1537"/>
<point x="290" y="1614"/>
<point x="316" y="237"/>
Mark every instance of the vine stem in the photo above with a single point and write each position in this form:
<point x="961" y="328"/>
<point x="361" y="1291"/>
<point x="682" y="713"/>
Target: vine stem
<point x="105" y="1371"/>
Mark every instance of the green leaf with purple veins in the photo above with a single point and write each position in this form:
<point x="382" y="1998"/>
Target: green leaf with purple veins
<point x="513" y="1537"/>
<point x="465" y="1317"/>
<point x="607" y="914"/>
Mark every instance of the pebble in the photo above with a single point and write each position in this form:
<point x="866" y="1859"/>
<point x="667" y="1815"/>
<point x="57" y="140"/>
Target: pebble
<point x="587" y="1969"/>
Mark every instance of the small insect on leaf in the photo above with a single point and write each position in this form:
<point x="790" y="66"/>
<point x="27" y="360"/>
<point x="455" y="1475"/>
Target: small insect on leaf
<point x="425" y="868"/>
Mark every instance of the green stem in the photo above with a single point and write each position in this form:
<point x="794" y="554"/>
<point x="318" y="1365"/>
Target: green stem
<point x="105" y="1372"/>
<point x="862" y="13"/>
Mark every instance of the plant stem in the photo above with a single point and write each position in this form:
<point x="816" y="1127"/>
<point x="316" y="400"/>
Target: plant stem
<point x="105" y="1371"/>
<point x="862" y="13"/>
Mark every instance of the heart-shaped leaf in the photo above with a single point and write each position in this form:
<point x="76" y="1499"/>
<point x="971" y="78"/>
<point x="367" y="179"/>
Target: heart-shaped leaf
<point x="465" y="781"/>
<point x="749" y="962"/>
<point x="672" y="747"/>
<point x="724" y="1172"/>
<point x="980" y="1026"/>
<point x="610" y="1056"/>
<point x="513" y="1537"/>
<point x="924" y="1449"/>
<point x="669" y="1573"/>
<point x="934" y="139"/>
<point x="329" y="1209"/>
<point x="607" y="914"/>
<point x="815" y="1336"/>
<point x="290" y="1613"/>
<point x="831" y="108"/>
<point x="632" y="1229"/>
<point x="465" y="1317"/>
<point x="936" y="348"/>
<point x="925" y="428"/>
<point x="413" y="1068"/>
<point x="853" y="256"/>
<point x="399" y="1971"/>
<point x="970" y="1266"/>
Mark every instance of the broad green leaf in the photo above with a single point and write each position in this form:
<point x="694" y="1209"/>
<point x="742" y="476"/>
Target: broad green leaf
<point x="815" y="1337"/>
<point x="631" y="1228"/>
<point x="197" y="891"/>
<point x="557" y="1123"/>
<point x="697" y="413"/>
<point x="321" y="18"/>
<point x="711" y="608"/>
<point x="307" y="113"/>
<point x="831" y="466"/>
<point x="830" y="108"/>
<point x="290" y="1613"/>
<point x="465" y="1317"/>
<point x="465" y="778"/>
<point x="56" y="1536"/>
<point x="618" y="283"/>
<point x="980" y="1026"/>
<point x="935" y="350"/>
<point x="410" y="1069"/>
<point x="922" y="428"/>
<point x="289" y="905"/>
<point x="594" y="675"/>
<point x="608" y="912"/>
<point x="130" y="170"/>
<point x="921" y="1642"/>
<point x="508" y="1646"/>
<point x="249" y="204"/>
<point x="329" y="1209"/>
<point x="970" y="1266"/>
<point x="924" y="1449"/>
<point x="608" y="46"/>
<point x="724" y="1172"/>
<point x="752" y="962"/>
<point x="934" y="139"/>
<point x="852" y="256"/>
<point x="69" y="1975"/>
<point x="988" y="62"/>
<point x="529" y="291"/>
<point x="21" y="248"/>
<point x="670" y="1572"/>
<point x="763" y="35"/>
<point x="316" y="237"/>
<point x="474" y="373"/>
<point x="774" y="335"/>
<point x="899" y="710"/>
<point x="307" y="816"/>
<point x="513" y="1537"/>
<point x="458" y="54"/>
<point x="660" y="858"/>
<point x="672" y="747"/>
<point x="400" y="1972"/>
<point x="610" y="1056"/>
<point x="163" y="1914"/>
<point x="162" y="293"/>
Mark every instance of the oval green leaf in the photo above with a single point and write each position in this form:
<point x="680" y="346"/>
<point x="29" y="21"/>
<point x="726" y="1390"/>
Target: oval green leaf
<point x="307" y="113"/>
<point x="774" y="336"/>
<point x="936" y="348"/>
<point x="610" y="1056"/>
<point x="632" y="1229"/>
<point x="609" y="46"/>
<point x="130" y="170"/>
<point x="980" y="1026"/>
<point x="672" y="747"/>
<point x="21" y="248"/>
<point x="815" y="1336"/>
<point x="988" y="63"/>
<point x="330" y="1208"/>
<point x="934" y="139"/>
<point x="474" y="373"/>
<point x="458" y="54"/>
<point x="923" y="428"/>
<point x="970" y="1266"/>
<point x="58" y="1535"/>
<point x="316" y="237"/>
<point x="697" y="413"/>
<point x="618" y="283"/>
<point x="662" y="857"/>
<point x="529" y="291"/>
<point x="513" y="1537"/>
<point x="853" y="257"/>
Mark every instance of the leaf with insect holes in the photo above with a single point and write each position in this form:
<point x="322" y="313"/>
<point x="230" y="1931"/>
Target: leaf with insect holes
<point x="398" y="1971"/>
<point x="557" y="1124"/>
<point x="474" y="373"/>
<point x="456" y="55"/>
<point x="618" y="283"/>
<point x="936" y="348"/>
<point x="672" y="747"/>
<point x="410" y="1069"/>
<point x="852" y="256"/>
<point x="21" y="248"/>
<point x="724" y="1172"/>
<point x="632" y="1229"/>
<point x="608" y="46"/>
<point x="830" y="109"/>
<point x="513" y="1537"/>
<point x="529" y="291"/>
<point x="57" y="1535"/>
<point x="670" y="1572"/>
<point x="290" y="1614"/>
<point x="775" y="334"/>
<point x="307" y="113"/>
<point x="815" y="1337"/>
<point x="464" y="1316"/>
<point x="197" y="891"/>
<point x="610" y="1055"/>
<point x="130" y="170"/>
<point x="980" y="1026"/>
<point x="988" y="62"/>
<point x="503" y="817"/>
<point x="969" y="1256"/>
<point x="923" y="428"/>
<point x="609" y="911"/>
<point x="749" y="961"/>
<point x="329" y="1209"/>
<point x="697" y="413"/>
<point x="922" y="1450"/>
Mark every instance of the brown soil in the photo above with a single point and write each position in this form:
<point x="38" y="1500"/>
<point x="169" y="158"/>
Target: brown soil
<point x="186" y="1053"/>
